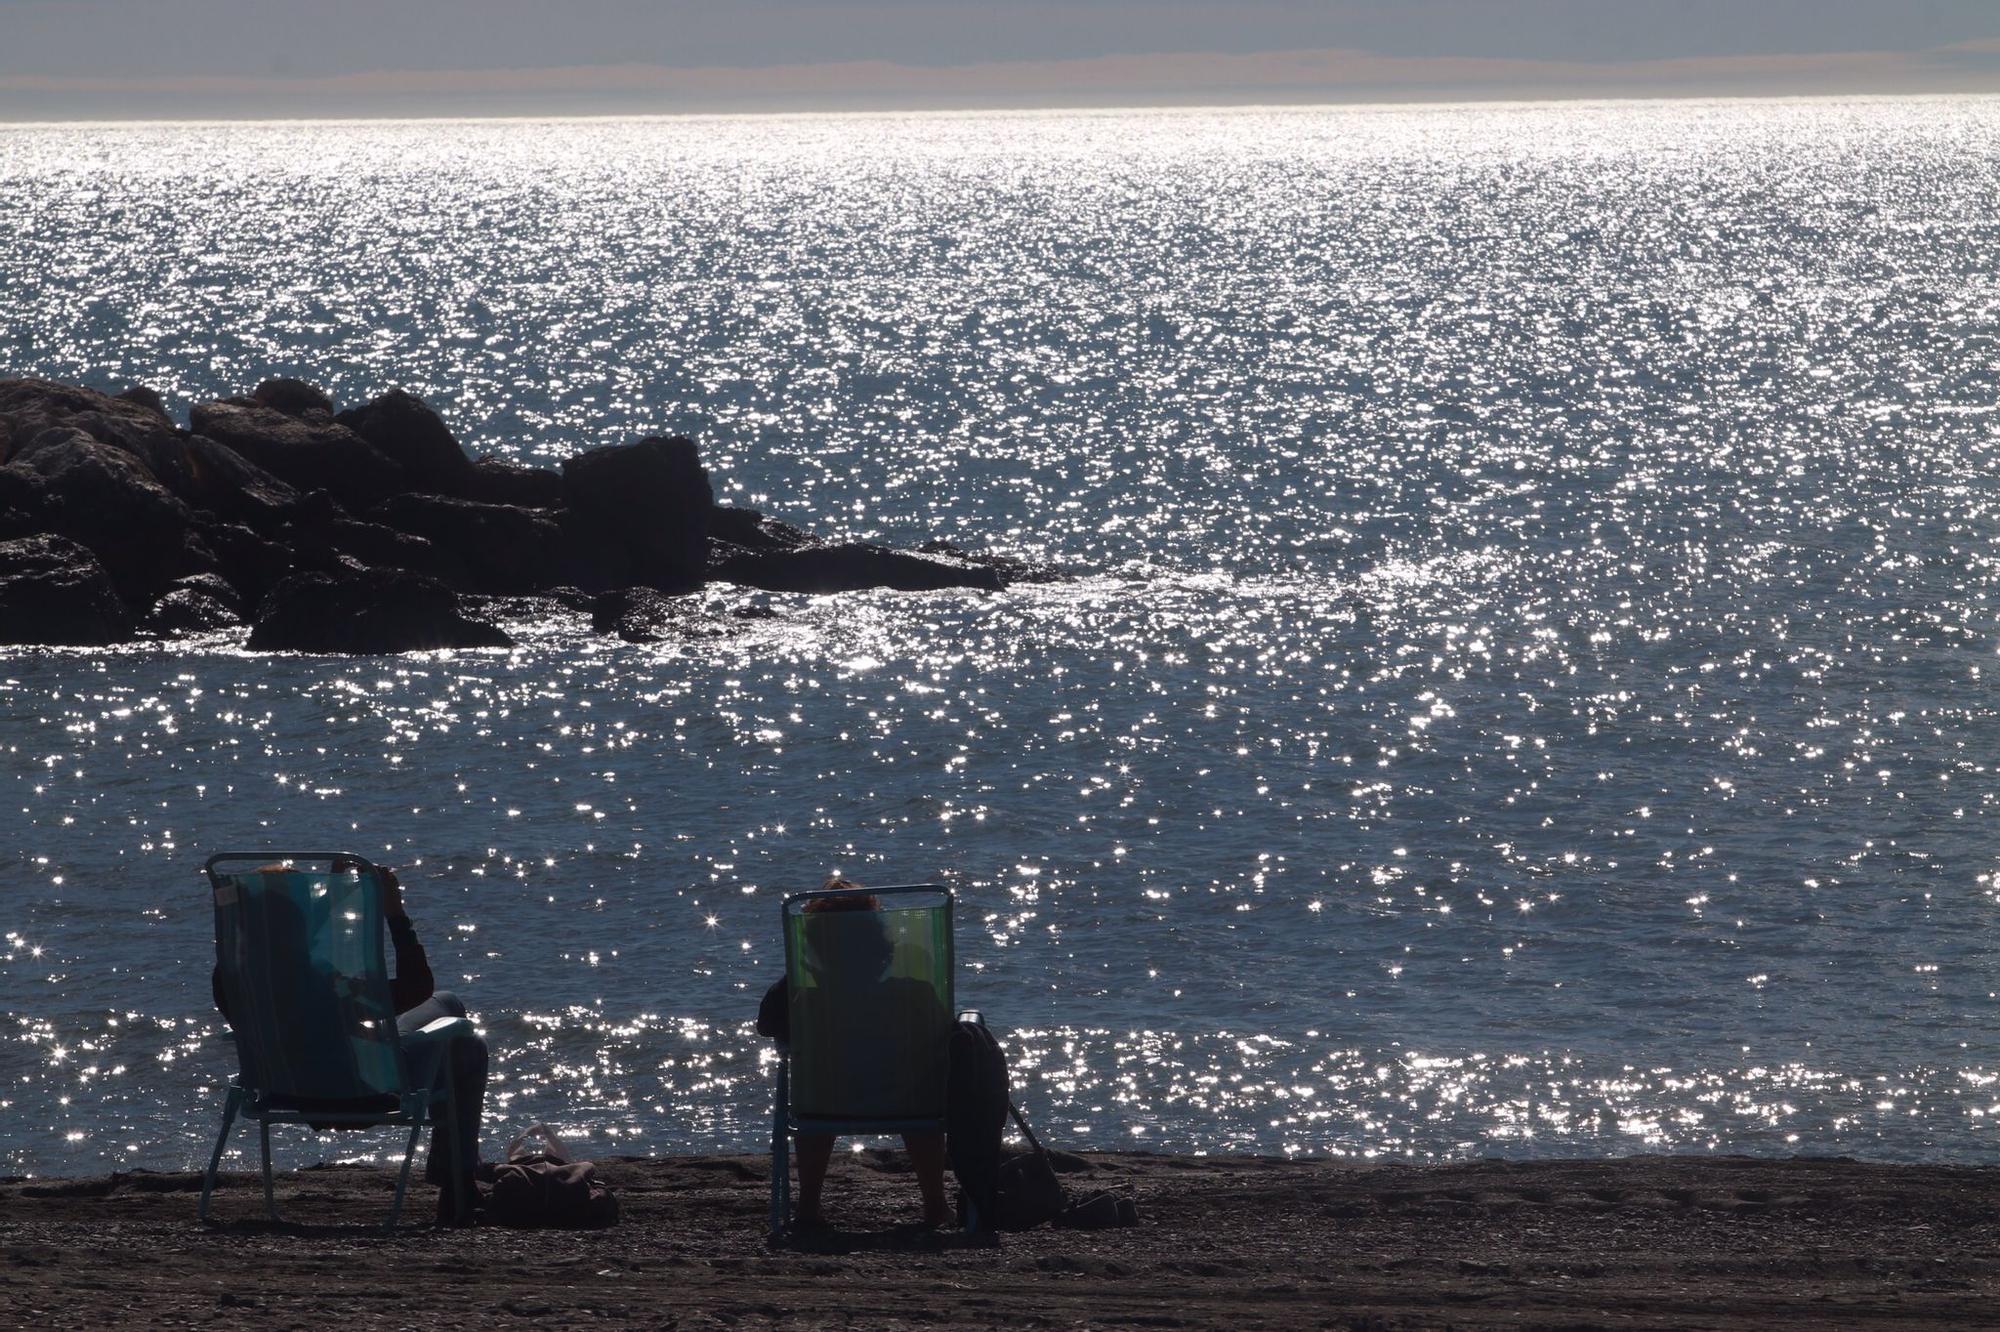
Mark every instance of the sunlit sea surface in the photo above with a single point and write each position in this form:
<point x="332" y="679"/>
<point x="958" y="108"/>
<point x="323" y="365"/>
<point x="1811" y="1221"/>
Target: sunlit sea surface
<point x="1528" y="687"/>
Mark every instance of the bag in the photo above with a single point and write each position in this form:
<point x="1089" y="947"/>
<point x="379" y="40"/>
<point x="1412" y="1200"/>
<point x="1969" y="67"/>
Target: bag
<point x="538" y="1185"/>
<point x="1029" y="1192"/>
<point x="976" y="1102"/>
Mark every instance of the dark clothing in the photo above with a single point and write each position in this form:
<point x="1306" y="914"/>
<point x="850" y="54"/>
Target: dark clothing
<point x="465" y="1063"/>
<point x="410" y="986"/>
<point x="774" y="1014"/>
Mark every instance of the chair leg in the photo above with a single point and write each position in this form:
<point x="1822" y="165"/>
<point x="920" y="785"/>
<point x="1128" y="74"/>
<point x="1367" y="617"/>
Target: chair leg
<point x="781" y="1166"/>
<point x="270" y="1193"/>
<point x="403" y="1176"/>
<point x="229" y="1109"/>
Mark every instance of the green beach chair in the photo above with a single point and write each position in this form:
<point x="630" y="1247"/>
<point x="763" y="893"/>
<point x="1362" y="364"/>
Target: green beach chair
<point x="304" y="973"/>
<point x="870" y="1009"/>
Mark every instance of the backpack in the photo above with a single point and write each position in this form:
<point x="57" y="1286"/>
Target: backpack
<point x="1029" y="1192"/>
<point x="976" y="1099"/>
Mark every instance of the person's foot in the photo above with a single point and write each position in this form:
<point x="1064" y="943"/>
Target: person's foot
<point x="451" y="1216"/>
<point x="810" y="1223"/>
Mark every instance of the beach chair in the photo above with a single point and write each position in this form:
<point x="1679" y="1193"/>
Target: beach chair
<point x="303" y="969"/>
<point x="870" y="1000"/>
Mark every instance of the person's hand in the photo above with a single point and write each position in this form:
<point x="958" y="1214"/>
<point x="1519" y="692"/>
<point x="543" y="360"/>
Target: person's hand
<point x="392" y="895"/>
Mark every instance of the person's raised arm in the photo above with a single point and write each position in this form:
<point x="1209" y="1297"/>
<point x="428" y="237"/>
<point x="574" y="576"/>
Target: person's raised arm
<point x="413" y="982"/>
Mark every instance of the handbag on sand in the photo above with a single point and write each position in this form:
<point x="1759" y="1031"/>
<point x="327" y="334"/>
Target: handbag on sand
<point x="1029" y="1192"/>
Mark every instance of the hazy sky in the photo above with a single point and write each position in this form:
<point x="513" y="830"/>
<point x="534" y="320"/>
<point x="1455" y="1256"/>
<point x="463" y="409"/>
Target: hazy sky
<point x="65" y="58"/>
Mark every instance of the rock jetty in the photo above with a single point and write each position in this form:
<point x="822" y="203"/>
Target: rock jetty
<point x="371" y="530"/>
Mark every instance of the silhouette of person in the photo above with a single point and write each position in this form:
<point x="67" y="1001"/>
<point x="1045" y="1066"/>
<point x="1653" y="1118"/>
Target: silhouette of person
<point x="856" y="1027"/>
<point x="454" y="1148"/>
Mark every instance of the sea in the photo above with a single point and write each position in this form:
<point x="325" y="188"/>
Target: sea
<point x="1521" y="688"/>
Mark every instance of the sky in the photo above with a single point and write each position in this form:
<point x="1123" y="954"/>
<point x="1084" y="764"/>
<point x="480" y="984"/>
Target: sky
<point x="68" y="59"/>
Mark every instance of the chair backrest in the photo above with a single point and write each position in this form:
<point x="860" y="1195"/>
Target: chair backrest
<point x="305" y="977"/>
<point x="871" y="1002"/>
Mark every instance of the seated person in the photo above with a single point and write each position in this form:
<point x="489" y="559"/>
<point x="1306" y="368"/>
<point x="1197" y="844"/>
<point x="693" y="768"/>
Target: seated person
<point x="855" y="994"/>
<point x="454" y="1150"/>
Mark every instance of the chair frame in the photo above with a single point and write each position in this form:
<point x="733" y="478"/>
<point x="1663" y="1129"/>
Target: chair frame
<point x="784" y="1124"/>
<point x="417" y="1101"/>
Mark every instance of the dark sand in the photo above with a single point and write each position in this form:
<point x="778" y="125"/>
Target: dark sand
<point x="1224" y="1243"/>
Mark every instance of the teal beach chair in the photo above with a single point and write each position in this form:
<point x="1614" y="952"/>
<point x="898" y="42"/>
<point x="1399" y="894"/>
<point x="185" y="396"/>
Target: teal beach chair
<point x="305" y="976"/>
<point x="870" y="1008"/>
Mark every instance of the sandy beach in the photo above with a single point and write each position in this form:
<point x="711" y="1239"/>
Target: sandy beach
<point x="1224" y="1243"/>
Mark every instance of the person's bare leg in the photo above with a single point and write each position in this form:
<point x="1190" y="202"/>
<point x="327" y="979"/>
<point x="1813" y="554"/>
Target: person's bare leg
<point x="927" y="1155"/>
<point x="815" y="1153"/>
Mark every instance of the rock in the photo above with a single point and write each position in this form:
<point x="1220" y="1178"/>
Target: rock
<point x="1010" y="569"/>
<point x="846" y="567"/>
<point x="186" y="610"/>
<point x="502" y="481"/>
<point x="106" y="498"/>
<point x="147" y="398"/>
<point x="372" y="543"/>
<point x="637" y="516"/>
<point x="252" y="564"/>
<point x="54" y="591"/>
<point x="293" y="397"/>
<point x="754" y="531"/>
<point x="31" y="406"/>
<point x="308" y="454"/>
<point x="645" y="615"/>
<point x="206" y="475"/>
<point x="496" y="548"/>
<point x="213" y="586"/>
<point x="24" y="503"/>
<point x="366" y="611"/>
<point x="406" y="432"/>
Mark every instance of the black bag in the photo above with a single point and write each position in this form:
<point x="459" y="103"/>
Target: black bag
<point x="1029" y="1193"/>
<point x="975" y="1112"/>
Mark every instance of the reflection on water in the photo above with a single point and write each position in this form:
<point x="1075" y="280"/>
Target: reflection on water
<point x="1527" y="694"/>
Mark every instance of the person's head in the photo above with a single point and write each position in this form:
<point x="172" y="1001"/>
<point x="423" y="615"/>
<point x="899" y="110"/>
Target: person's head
<point x="839" y="946"/>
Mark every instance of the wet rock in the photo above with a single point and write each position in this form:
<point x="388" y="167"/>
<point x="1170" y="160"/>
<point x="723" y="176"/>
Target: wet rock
<point x="847" y="567"/>
<point x="186" y="610"/>
<point x="54" y="591"/>
<point x="206" y="475"/>
<point x="105" y="498"/>
<point x="293" y="397"/>
<point x="304" y="453"/>
<point x="754" y="531"/>
<point x="409" y="434"/>
<point x="215" y="587"/>
<point x="646" y="615"/>
<point x="494" y="548"/>
<point x="503" y="481"/>
<point x="637" y="516"/>
<point x="366" y="611"/>
<point x="1010" y="568"/>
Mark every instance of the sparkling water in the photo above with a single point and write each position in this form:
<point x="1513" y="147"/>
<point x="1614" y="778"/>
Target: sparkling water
<point x="1524" y="689"/>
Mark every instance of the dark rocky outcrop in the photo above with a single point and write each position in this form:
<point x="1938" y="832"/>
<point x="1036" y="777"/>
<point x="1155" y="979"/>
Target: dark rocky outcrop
<point x="493" y="548"/>
<point x="366" y="611"/>
<point x="293" y="397"/>
<point x="499" y="481"/>
<point x="636" y="515"/>
<point x="54" y="591"/>
<point x="847" y="567"/>
<point x="106" y="498"/>
<point x="360" y="533"/>
<point x="409" y="434"/>
<point x="148" y="398"/>
<point x="306" y="453"/>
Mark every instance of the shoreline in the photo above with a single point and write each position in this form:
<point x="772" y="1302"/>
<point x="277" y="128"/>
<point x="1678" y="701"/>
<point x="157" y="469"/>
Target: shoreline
<point x="1239" y="1242"/>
